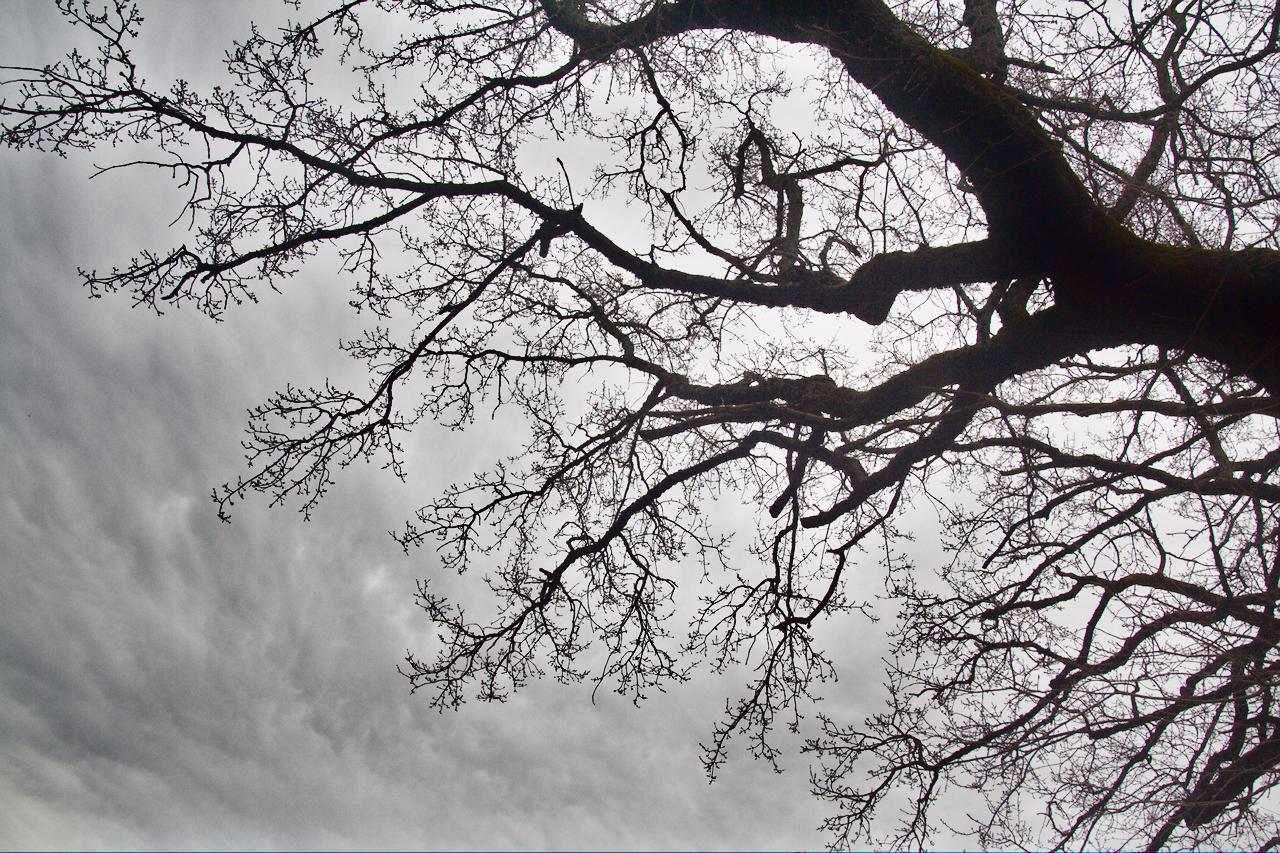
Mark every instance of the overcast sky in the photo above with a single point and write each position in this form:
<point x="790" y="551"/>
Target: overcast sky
<point x="167" y="680"/>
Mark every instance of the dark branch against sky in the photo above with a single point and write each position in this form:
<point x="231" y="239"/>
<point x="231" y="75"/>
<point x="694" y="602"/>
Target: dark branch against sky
<point x="1073" y="367"/>
<point x="170" y="681"/>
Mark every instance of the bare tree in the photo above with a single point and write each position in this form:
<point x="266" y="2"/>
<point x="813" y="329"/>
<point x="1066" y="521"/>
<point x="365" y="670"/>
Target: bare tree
<point x="1060" y="218"/>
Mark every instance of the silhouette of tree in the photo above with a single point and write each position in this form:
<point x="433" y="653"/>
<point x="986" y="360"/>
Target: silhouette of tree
<point x="1060" y="218"/>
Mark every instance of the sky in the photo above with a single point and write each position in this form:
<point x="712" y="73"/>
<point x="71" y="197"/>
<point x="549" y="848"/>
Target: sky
<point x="170" y="681"/>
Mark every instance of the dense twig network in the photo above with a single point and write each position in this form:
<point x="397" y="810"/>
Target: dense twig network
<point x="1059" y="218"/>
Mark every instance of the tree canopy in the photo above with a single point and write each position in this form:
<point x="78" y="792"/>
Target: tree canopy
<point x="656" y="232"/>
